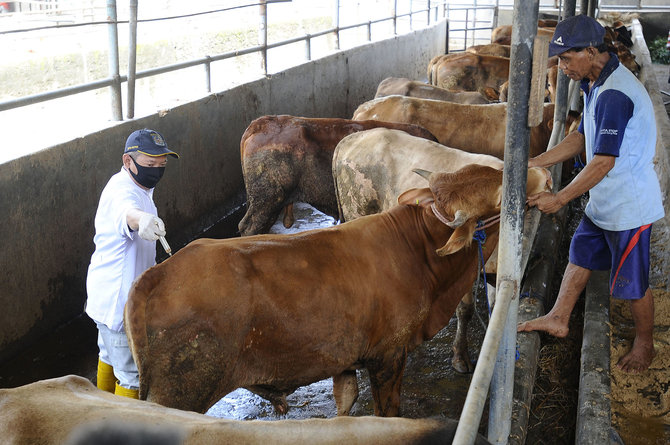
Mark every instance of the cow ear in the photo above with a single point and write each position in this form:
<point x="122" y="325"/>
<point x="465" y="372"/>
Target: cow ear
<point x="462" y="237"/>
<point x="421" y="197"/>
<point x="490" y="94"/>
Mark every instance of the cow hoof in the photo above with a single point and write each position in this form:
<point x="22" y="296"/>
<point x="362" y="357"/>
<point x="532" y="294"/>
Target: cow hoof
<point x="462" y="366"/>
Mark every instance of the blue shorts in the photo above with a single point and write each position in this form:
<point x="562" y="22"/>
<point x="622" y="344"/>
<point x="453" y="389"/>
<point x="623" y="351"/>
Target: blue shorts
<point x="625" y="253"/>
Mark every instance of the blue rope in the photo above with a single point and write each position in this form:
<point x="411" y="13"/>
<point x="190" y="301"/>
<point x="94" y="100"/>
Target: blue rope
<point x="480" y="237"/>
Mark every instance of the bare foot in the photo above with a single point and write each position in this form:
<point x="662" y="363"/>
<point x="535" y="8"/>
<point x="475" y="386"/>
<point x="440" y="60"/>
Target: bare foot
<point x="551" y="324"/>
<point x="638" y="358"/>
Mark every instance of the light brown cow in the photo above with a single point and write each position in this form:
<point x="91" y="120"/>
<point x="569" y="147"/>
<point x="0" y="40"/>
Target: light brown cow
<point x="271" y="313"/>
<point x="502" y="35"/>
<point x="414" y="88"/>
<point x="490" y="49"/>
<point x="287" y="159"/>
<point x="473" y="128"/>
<point x="70" y="410"/>
<point x="468" y="72"/>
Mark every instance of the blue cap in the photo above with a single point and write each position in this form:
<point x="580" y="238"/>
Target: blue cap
<point x="579" y="31"/>
<point x="148" y="142"/>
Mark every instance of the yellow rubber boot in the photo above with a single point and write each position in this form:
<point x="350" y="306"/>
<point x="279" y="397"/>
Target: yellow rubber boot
<point x="125" y="392"/>
<point x="106" y="379"/>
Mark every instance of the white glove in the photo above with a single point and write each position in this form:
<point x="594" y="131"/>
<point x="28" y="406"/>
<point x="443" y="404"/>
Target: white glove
<point x="151" y="227"/>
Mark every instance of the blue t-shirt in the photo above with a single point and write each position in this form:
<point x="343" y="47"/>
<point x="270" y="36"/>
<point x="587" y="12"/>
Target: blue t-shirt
<point x="619" y="121"/>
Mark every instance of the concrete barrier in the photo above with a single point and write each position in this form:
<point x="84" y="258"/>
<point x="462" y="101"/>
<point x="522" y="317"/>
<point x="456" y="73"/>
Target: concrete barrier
<point x="49" y="199"/>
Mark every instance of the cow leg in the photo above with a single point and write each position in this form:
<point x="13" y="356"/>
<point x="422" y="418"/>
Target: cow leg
<point x="385" y="380"/>
<point x="345" y="391"/>
<point x="276" y="398"/>
<point x="461" y="358"/>
<point x="288" y="216"/>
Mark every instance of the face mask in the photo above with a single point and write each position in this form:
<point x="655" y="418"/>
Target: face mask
<point x="147" y="176"/>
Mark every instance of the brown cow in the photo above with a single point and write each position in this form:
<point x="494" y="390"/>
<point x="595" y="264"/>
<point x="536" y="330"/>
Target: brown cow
<point x="414" y="88"/>
<point x="473" y="128"/>
<point x="468" y="72"/>
<point x="372" y="168"/>
<point x="70" y="410"/>
<point x="271" y="313"/>
<point x="287" y="159"/>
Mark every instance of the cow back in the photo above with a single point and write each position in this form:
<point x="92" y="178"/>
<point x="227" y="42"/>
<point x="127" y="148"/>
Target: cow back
<point x="69" y="410"/>
<point x="473" y="128"/>
<point x="288" y="158"/>
<point x="372" y="168"/>
<point x="412" y="88"/>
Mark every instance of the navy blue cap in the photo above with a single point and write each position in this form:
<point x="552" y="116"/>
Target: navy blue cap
<point x="148" y="142"/>
<point x="579" y="31"/>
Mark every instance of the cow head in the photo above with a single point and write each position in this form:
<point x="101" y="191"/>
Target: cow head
<point x="462" y="198"/>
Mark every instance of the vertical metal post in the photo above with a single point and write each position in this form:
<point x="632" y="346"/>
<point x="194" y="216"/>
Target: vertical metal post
<point x="446" y="37"/>
<point x="113" y="58"/>
<point x="474" y="23"/>
<point x="263" y="35"/>
<point x="562" y="85"/>
<point x="465" y="32"/>
<point x="337" y="24"/>
<point x="510" y="246"/>
<point x="208" y="74"/>
<point x="411" y="14"/>
<point x="369" y="31"/>
<point x="428" y="16"/>
<point x="308" y="47"/>
<point x="592" y="7"/>
<point x="584" y="7"/>
<point x="132" y="57"/>
<point x="395" y="17"/>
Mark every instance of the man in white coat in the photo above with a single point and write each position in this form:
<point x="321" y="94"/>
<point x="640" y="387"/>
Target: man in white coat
<point x="126" y="229"/>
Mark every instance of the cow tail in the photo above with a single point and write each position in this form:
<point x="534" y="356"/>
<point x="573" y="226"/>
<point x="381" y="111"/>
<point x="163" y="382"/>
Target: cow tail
<point x="337" y="193"/>
<point x="135" y="322"/>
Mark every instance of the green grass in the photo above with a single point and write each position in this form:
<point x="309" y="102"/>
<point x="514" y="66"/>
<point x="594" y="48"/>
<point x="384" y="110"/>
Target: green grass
<point x="657" y="50"/>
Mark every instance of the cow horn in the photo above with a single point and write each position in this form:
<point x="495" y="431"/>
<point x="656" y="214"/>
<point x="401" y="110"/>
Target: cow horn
<point x="423" y="173"/>
<point x="459" y="219"/>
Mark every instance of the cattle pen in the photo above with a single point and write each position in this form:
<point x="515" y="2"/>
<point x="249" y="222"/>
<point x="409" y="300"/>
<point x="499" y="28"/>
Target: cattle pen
<point x="54" y="191"/>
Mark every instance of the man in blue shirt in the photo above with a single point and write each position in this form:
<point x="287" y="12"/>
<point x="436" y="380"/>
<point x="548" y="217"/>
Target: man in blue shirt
<point x="618" y="133"/>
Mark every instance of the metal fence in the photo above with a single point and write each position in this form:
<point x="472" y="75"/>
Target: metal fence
<point x="416" y="13"/>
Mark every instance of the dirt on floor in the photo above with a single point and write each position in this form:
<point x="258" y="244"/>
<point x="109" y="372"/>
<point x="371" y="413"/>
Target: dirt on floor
<point x="641" y="402"/>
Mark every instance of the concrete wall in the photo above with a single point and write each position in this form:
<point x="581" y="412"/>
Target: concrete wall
<point x="49" y="199"/>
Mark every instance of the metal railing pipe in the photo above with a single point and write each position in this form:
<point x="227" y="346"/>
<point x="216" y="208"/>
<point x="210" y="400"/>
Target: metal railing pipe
<point x="113" y="58"/>
<point x="115" y="79"/>
<point x="132" y="58"/>
<point x="466" y="431"/>
<point x="57" y="94"/>
<point x="510" y="247"/>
